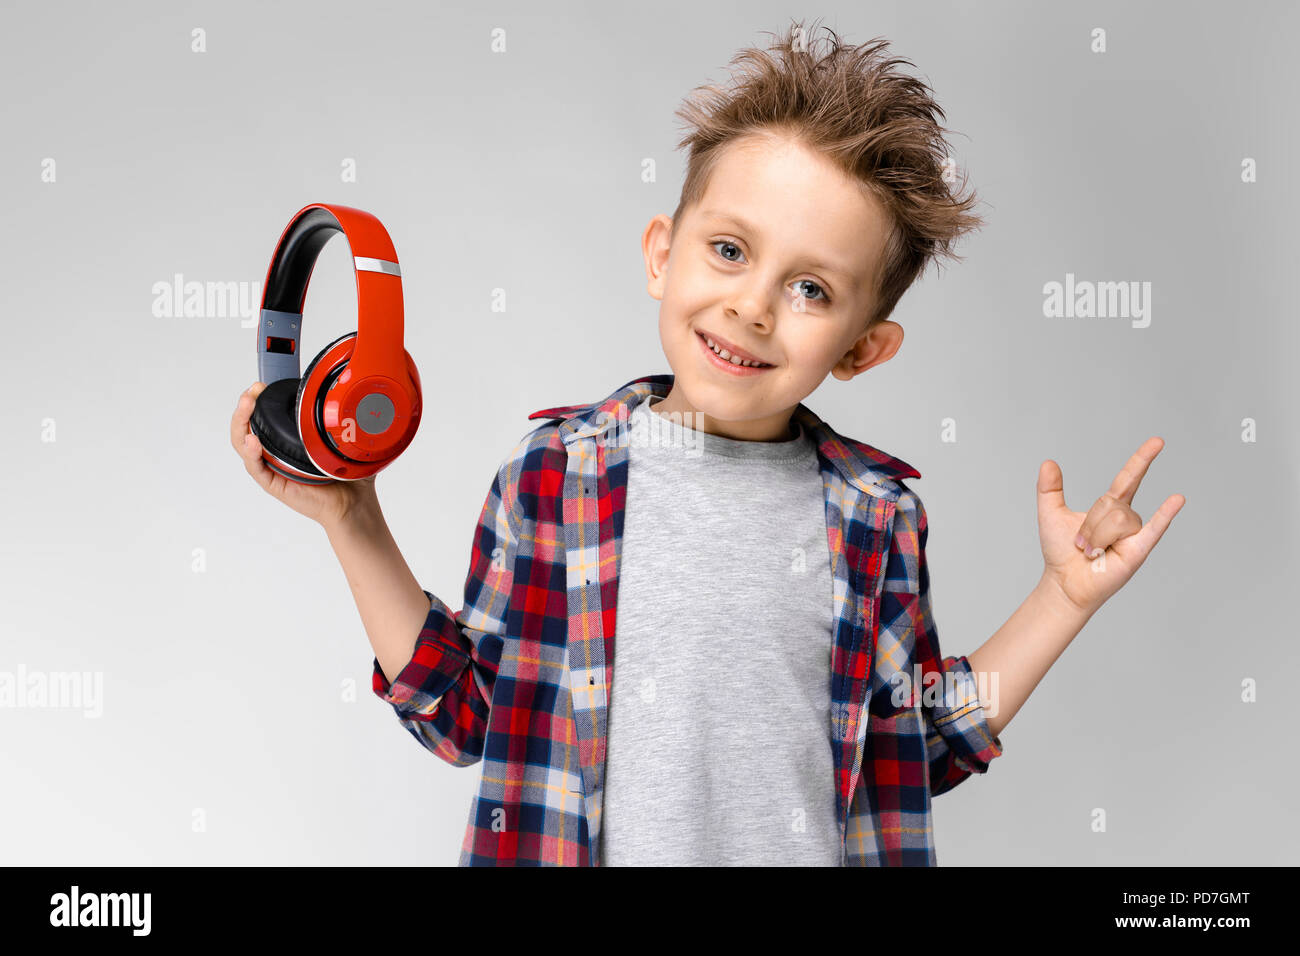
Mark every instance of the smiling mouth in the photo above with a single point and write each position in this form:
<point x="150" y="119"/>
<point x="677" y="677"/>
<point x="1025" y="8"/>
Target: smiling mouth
<point x="727" y="356"/>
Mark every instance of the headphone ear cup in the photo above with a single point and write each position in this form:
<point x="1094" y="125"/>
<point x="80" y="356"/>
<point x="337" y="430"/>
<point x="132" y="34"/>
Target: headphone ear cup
<point x="307" y="374"/>
<point x="275" y="423"/>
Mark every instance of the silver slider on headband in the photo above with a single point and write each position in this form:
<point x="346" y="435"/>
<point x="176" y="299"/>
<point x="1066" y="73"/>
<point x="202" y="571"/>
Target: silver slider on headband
<point x="377" y="265"/>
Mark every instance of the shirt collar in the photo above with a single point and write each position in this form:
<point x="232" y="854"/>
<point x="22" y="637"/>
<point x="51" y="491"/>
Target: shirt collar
<point x="868" y="468"/>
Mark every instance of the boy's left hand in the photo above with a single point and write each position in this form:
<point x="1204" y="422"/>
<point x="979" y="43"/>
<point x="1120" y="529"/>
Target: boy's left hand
<point x="1111" y="531"/>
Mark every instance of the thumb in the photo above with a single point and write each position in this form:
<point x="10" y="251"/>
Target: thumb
<point x="1051" y="489"/>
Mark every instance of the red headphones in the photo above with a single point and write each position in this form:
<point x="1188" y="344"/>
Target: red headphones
<point x="358" y="406"/>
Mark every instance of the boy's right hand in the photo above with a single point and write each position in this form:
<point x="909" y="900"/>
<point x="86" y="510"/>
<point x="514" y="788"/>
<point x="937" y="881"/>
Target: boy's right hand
<point x="328" y="505"/>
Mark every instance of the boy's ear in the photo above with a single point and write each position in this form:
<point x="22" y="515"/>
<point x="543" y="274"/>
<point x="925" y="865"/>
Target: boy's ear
<point x="876" y="345"/>
<point x="655" y="247"/>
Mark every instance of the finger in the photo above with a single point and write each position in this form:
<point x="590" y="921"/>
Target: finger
<point x="254" y="464"/>
<point x="1150" y="534"/>
<point x="1130" y="476"/>
<point x="1100" y="510"/>
<point x="1120" y="522"/>
<point x="1117" y="498"/>
<point x="243" y="412"/>
<point x="1051" y="490"/>
<point x="245" y="442"/>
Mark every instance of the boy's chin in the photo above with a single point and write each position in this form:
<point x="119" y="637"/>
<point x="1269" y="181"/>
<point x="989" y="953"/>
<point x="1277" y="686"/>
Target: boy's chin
<point x="725" y="401"/>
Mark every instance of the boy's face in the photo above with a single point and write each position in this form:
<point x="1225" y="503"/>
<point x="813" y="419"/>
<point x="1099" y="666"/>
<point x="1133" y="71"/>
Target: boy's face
<point x="779" y="259"/>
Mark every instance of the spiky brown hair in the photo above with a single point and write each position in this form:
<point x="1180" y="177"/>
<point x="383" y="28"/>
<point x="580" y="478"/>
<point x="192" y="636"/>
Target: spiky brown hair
<point x="853" y="105"/>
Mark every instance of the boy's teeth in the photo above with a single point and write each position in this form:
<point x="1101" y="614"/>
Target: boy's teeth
<point x="731" y="358"/>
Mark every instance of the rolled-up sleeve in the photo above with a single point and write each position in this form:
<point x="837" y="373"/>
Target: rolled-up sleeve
<point x="957" y="738"/>
<point x="957" y="741"/>
<point x="443" y="694"/>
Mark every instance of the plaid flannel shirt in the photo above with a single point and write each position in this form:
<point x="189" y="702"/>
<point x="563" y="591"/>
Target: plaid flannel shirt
<point x="519" y="679"/>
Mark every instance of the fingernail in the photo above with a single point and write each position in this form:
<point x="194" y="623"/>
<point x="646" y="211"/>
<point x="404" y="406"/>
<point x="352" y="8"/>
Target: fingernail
<point x="1094" y="552"/>
<point x="1078" y="540"/>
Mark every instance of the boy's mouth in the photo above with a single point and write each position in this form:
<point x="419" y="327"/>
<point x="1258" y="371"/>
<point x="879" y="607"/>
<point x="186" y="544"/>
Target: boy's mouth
<point x="736" y="361"/>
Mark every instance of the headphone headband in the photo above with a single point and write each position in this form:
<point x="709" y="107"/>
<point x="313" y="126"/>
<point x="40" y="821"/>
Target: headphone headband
<point x="379" y="300"/>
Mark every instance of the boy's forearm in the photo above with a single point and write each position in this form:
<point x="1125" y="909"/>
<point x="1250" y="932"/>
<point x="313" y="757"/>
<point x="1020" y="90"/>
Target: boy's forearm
<point x="1023" y="650"/>
<point x="392" y="605"/>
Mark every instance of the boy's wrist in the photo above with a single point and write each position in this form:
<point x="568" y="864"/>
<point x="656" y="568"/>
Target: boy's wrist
<point x="1052" y="597"/>
<point x="362" y="514"/>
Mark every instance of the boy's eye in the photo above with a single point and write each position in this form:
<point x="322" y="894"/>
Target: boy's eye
<point x="818" y="296"/>
<point x="730" y="245"/>
<point x="731" y="252"/>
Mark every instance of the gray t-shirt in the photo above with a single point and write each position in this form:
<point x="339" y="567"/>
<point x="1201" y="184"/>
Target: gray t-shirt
<point x="719" y="741"/>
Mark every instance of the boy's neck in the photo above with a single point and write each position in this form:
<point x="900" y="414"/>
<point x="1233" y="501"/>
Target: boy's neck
<point x="773" y="428"/>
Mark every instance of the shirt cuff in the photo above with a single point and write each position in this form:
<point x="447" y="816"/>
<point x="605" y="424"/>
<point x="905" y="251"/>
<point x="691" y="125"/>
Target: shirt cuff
<point x="960" y="718"/>
<point x="438" y="661"/>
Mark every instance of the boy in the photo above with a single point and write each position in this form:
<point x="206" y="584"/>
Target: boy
<point x="780" y="697"/>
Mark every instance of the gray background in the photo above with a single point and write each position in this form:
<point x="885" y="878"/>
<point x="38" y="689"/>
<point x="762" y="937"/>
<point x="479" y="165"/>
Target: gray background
<point x="222" y="689"/>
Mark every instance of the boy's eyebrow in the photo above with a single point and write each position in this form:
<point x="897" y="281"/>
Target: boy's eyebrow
<point x="749" y="227"/>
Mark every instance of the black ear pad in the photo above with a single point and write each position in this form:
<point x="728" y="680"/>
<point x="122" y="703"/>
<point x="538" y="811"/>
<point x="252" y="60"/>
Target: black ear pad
<point x="307" y="374"/>
<point x="275" y="423"/>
